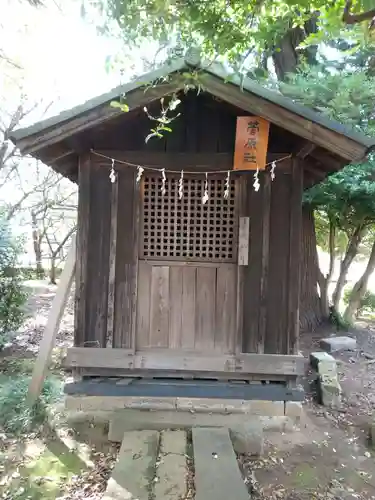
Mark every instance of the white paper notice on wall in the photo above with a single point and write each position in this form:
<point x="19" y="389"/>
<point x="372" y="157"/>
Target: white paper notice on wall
<point x="243" y="241"/>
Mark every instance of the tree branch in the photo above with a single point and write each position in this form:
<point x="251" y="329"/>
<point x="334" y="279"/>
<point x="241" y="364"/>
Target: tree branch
<point x="350" y="18"/>
<point x="61" y="245"/>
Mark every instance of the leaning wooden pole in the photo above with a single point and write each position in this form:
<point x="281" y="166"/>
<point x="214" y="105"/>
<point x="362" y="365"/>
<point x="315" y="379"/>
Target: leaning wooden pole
<point x="52" y="327"/>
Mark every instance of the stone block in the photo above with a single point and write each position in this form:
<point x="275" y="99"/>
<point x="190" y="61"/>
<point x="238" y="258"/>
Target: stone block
<point x="330" y="391"/>
<point x="135" y="468"/>
<point x="217" y="475"/>
<point x="293" y="409"/>
<point x="113" y="403"/>
<point x="248" y="438"/>
<point x="332" y="344"/>
<point x="210" y="405"/>
<point x="149" y="403"/>
<point x="171" y="470"/>
<point x="323" y="363"/>
<point x="266" y="408"/>
<point x="278" y="424"/>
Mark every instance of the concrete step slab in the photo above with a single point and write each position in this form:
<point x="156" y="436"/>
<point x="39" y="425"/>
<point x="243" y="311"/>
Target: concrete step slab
<point x="171" y="467"/>
<point x="332" y="344"/>
<point x="133" y="474"/>
<point x="217" y="476"/>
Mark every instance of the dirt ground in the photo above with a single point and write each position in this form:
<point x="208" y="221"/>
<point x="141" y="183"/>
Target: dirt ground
<point x="329" y="458"/>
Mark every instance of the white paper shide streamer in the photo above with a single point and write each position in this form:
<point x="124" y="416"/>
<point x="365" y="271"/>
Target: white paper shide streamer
<point x="181" y="185"/>
<point x="140" y="171"/>
<point x="256" y="183"/>
<point x="273" y="166"/>
<point x="163" y="188"/>
<point x="205" y="194"/>
<point x="227" y="185"/>
<point x="112" y="173"/>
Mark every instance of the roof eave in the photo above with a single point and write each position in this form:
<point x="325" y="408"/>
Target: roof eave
<point x="141" y="81"/>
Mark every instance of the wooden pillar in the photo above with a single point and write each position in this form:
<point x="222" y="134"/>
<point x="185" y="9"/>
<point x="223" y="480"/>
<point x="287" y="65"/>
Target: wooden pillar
<point x="243" y="260"/>
<point x="126" y="262"/>
<point x="81" y="250"/>
<point x="265" y="237"/>
<point x="258" y="208"/>
<point x="94" y="209"/>
<point x="295" y="255"/>
<point x="112" y="263"/>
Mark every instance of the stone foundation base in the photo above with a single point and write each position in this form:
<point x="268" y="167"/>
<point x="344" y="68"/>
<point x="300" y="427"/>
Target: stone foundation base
<point x="130" y="413"/>
<point x="213" y="406"/>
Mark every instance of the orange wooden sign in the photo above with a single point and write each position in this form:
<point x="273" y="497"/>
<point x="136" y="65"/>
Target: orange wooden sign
<point x="251" y="143"/>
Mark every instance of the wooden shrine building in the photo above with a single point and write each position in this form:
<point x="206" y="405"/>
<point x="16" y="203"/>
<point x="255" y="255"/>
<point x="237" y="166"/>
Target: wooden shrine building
<point x="195" y="274"/>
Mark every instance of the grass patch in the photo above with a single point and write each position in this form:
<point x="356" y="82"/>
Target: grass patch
<point x="15" y="416"/>
<point x="17" y="366"/>
<point x="43" y="477"/>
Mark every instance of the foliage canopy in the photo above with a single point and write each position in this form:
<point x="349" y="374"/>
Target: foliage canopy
<point x="255" y="27"/>
<point x="348" y="196"/>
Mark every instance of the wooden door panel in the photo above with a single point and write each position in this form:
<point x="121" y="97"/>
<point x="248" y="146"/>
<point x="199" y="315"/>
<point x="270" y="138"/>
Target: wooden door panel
<point x="182" y="307"/>
<point x="175" y="307"/>
<point x="186" y="307"/>
<point x="159" y="306"/>
<point x="189" y="293"/>
<point x="226" y="294"/>
<point x="143" y="305"/>
<point x="205" y="308"/>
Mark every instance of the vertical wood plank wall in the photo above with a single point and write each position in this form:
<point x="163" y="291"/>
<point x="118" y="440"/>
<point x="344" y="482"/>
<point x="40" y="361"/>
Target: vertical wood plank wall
<point x="126" y="260"/>
<point x="93" y="242"/>
<point x="270" y="281"/>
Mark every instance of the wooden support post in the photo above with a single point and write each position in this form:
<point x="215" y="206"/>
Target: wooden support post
<point x="53" y="322"/>
<point x="265" y="242"/>
<point x="295" y="256"/>
<point x="243" y="259"/>
<point x="112" y="265"/>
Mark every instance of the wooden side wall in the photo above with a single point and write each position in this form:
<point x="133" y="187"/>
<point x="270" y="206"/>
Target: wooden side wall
<point x="95" y="237"/>
<point x="271" y="280"/>
<point x="92" y="254"/>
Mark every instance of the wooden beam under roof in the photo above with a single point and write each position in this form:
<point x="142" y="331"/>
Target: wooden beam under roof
<point x="304" y="149"/>
<point x="327" y="160"/>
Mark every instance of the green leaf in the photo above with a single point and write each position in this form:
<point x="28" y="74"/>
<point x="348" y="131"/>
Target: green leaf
<point x="121" y="105"/>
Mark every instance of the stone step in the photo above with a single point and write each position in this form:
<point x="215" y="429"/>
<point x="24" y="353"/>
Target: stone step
<point x="171" y="467"/>
<point x="135" y="469"/>
<point x="217" y="476"/>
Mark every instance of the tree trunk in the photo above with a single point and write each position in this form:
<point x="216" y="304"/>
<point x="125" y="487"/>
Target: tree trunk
<point x="37" y="246"/>
<point x="52" y="271"/>
<point x="311" y="311"/>
<point x="324" y="281"/>
<point x="350" y="254"/>
<point x="360" y="288"/>
<point x="287" y="58"/>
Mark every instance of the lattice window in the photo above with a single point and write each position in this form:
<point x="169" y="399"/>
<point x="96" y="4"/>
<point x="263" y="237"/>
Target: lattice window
<point x="185" y="229"/>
